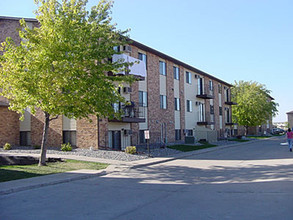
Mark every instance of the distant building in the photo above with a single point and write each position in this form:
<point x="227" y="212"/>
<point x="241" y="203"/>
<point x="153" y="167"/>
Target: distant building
<point x="290" y="119"/>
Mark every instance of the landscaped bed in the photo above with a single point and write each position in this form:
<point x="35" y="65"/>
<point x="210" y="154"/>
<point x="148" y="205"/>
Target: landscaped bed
<point x="14" y="172"/>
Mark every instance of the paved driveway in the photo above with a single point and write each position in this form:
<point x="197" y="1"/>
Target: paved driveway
<point x="250" y="181"/>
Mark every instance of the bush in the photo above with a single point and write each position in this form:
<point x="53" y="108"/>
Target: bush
<point x="7" y="146"/>
<point x="130" y="150"/>
<point x="66" y="147"/>
<point x="37" y="147"/>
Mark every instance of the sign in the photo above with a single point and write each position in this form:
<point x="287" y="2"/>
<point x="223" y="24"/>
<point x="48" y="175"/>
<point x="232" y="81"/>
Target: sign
<point x="146" y="134"/>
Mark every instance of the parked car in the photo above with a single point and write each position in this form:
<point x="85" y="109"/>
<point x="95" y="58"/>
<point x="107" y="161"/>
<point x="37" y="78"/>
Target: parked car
<point x="277" y="131"/>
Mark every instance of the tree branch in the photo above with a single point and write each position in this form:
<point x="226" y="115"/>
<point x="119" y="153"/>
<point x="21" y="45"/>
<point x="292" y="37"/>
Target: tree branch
<point x="51" y="119"/>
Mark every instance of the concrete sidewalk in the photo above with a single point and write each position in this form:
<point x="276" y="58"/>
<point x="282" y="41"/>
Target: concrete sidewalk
<point x="115" y="166"/>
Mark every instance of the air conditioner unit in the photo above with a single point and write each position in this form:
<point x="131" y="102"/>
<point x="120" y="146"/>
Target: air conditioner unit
<point x="128" y="132"/>
<point x="127" y="48"/>
<point x="197" y="103"/>
<point x="127" y="90"/>
<point x="196" y="76"/>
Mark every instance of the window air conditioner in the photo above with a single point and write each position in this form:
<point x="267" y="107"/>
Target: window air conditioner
<point x="127" y="90"/>
<point x="127" y="48"/>
<point x="128" y="132"/>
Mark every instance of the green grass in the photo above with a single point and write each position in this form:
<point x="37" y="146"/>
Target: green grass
<point x="258" y="137"/>
<point x="186" y="148"/>
<point x="14" y="172"/>
<point x="238" y="140"/>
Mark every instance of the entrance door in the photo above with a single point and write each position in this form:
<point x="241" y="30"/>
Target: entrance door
<point x="115" y="140"/>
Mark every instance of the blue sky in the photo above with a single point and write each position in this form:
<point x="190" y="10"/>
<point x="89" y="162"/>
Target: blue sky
<point x="230" y="39"/>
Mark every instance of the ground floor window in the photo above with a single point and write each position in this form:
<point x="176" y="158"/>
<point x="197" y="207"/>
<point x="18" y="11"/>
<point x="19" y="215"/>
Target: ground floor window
<point x="69" y="137"/>
<point x="25" y="138"/>
<point x="177" y="134"/>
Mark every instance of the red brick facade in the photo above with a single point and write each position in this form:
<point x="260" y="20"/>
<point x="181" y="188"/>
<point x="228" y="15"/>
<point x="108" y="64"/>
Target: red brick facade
<point x="161" y="122"/>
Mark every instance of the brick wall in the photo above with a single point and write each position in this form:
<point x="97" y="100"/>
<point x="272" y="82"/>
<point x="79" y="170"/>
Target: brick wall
<point x="9" y="126"/>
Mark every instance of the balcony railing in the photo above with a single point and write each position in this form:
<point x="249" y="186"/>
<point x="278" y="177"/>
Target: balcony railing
<point x="131" y="114"/>
<point x="138" y="68"/>
<point x="206" y="119"/>
<point x="205" y="93"/>
<point x="229" y="102"/>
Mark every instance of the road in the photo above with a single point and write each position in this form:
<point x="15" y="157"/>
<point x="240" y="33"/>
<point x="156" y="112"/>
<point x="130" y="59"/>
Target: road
<point x="249" y="181"/>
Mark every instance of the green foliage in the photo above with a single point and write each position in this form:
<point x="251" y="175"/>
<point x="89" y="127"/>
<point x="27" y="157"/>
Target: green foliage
<point x="255" y="105"/>
<point x="61" y="65"/>
<point x="7" y="146"/>
<point x="66" y="147"/>
<point x="130" y="150"/>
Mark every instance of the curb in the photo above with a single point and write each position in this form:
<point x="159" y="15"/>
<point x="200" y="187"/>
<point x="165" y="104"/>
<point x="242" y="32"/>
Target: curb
<point x="117" y="167"/>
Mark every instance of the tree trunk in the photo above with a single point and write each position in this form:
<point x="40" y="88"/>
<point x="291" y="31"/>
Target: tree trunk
<point x="42" y="161"/>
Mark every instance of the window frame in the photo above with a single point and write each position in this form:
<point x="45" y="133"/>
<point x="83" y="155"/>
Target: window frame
<point x="142" y="96"/>
<point x="188" y="77"/>
<point x="162" y="68"/>
<point x="176" y="72"/>
<point x="189" y="105"/>
<point x="163" y="102"/>
<point x="177" y="104"/>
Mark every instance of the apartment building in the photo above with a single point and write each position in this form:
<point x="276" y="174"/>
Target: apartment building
<point x="170" y="99"/>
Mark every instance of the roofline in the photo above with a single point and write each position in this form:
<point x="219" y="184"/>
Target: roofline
<point x="178" y="62"/>
<point x="18" y="18"/>
<point x="145" y="48"/>
<point x="291" y="112"/>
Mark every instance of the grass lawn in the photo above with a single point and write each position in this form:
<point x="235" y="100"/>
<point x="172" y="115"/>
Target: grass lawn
<point x="14" y="172"/>
<point x="258" y="137"/>
<point x="238" y="140"/>
<point x="186" y="148"/>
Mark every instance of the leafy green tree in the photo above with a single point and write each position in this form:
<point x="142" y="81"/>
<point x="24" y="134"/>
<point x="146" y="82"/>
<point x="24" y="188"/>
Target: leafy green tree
<point x="254" y="104"/>
<point x="61" y="67"/>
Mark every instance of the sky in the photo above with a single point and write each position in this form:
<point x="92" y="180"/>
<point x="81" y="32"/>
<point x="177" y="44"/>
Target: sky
<point x="233" y="40"/>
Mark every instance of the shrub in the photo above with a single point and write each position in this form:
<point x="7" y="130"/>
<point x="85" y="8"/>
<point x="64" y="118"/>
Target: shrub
<point x="130" y="150"/>
<point x="7" y="146"/>
<point x="66" y="147"/>
<point x="37" y="147"/>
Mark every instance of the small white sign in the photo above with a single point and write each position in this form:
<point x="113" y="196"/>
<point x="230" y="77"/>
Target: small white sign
<point x="146" y="134"/>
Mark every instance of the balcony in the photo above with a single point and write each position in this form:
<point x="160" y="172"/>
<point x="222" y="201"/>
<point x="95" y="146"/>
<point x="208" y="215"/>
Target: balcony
<point x="229" y="102"/>
<point x="230" y="123"/>
<point x="205" y="93"/>
<point x="206" y="119"/>
<point x="138" y="69"/>
<point x="131" y="114"/>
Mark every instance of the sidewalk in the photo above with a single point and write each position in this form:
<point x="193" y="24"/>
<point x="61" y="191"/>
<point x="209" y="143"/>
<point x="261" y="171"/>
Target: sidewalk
<point x="115" y="166"/>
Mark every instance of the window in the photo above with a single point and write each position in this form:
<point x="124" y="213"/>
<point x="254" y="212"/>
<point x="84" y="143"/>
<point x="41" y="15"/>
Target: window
<point x="141" y="137"/>
<point x="212" y="109"/>
<point x="177" y="134"/>
<point x="163" y="102"/>
<point x="188" y="77"/>
<point x="69" y="137"/>
<point x="220" y="88"/>
<point x="176" y="72"/>
<point x="177" y="104"/>
<point x="189" y="132"/>
<point x="117" y="48"/>
<point x="163" y="68"/>
<point x="211" y="87"/>
<point x="142" y="97"/>
<point x="201" y="112"/>
<point x="143" y="57"/>
<point x="220" y="110"/>
<point x="189" y="105"/>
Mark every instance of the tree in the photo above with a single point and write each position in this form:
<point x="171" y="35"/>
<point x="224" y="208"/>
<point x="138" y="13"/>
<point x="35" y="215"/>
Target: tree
<point x="254" y="104"/>
<point x="61" y="68"/>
